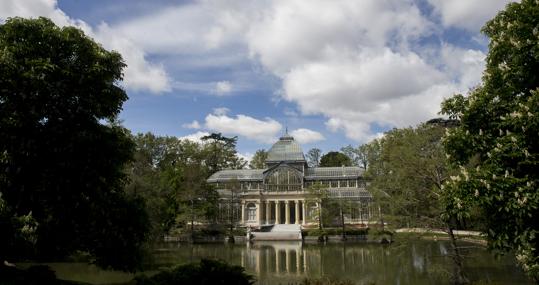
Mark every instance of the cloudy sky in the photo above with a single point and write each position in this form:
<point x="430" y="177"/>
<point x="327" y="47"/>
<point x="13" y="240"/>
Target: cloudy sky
<point x="333" y="72"/>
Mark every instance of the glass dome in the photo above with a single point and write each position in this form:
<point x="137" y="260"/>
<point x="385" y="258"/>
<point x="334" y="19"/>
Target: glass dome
<point x="285" y="149"/>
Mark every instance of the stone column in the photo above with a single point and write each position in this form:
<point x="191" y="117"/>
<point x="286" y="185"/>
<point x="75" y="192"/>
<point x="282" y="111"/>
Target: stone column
<point x="287" y="212"/>
<point x="303" y="212"/>
<point x="268" y="211"/>
<point x="242" y="212"/>
<point x="296" y="211"/>
<point x="277" y="212"/>
<point x="258" y="212"/>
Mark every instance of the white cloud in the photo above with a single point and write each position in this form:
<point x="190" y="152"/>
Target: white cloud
<point x="192" y="125"/>
<point x="358" y="63"/>
<point x="264" y="131"/>
<point x="294" y="32"/>
<point x="221" y="111"/>
<point x="37" y="8"/>
<point x="463" y="65"/>
<point x="139" y="74"/>
<point x="199" y="27"/>
<point x="304" y="136"/>
<point x="196" y="137"/>
<point x="467" y="14"/>
<point x="223" y="87"/>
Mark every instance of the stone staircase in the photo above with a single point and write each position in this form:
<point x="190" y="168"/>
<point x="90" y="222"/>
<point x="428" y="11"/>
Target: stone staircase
<point x="279" y="232"/>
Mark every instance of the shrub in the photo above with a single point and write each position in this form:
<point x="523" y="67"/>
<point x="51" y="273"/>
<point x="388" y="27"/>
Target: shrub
<point x="325" y="281"/>
<point x="334" y="232"/>
<point x="34" y="275"/>
<point x="204" y="272"/>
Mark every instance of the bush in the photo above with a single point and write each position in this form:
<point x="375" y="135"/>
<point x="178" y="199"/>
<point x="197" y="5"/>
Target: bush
<point x="325" y="281"/>
<point x="34" y="275"/>
<point x="204" y="272"/>
<point x="334" y="232"/>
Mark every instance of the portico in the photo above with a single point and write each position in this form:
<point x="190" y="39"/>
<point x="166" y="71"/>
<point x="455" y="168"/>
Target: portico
<point x="274" y="211"/>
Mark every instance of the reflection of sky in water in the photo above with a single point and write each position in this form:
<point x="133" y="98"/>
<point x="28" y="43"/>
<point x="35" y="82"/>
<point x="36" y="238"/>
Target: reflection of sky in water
<point x="418" y="260"/>
<point x="443" y="248"/>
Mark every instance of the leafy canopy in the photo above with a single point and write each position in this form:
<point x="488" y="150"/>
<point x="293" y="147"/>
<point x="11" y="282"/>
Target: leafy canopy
<point x="406" y="173"/>
<point x="259" y="159"/>
<point x="497" y="142"/>
<point x="62" y="164"/>
<point x="335" y="158"/>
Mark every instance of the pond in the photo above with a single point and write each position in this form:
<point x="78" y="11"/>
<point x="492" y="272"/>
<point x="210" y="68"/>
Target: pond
<point x="412" y="262"/>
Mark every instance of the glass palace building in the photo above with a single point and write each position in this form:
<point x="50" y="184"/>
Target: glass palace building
<point x="279" y="193"/>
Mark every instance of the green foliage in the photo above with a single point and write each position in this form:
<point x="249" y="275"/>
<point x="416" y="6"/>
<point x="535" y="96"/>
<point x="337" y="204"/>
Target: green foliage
<point x="204" y="272"/>
<point x="171" y="176"/>
<point x="353" y="154"/>
<point x="63" y="166"/>
<point x="35" y="275"/>
<point x="222" y="153"/>
<point x="499" y="137"/>
<point x="335" y="158"/>
<point x="325" y="281"/>
<point x="334" y="231"/>
<point x="259" y="159"/>
<point x="379" y="233"/>
<point x="407" y="169"/>
<point x="318" y="194"/>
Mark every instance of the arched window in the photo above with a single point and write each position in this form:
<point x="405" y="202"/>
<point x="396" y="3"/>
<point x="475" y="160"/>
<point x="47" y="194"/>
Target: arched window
<point x="251" y="212"/>
<point x="284" y="179"/>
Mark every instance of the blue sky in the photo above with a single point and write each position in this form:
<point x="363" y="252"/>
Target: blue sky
<point x="333" y="72"/>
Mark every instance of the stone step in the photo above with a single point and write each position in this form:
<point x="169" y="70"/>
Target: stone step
<point x="286" y="228"/>
<point x="276" y="236"/>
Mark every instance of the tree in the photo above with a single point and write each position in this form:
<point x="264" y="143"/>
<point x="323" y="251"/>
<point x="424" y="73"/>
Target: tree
<point x="334" y="158"/>
<point x="232" y="198"/>
<point x="63" y="152"/>
<point x="318" y="194"/>
<point x="407" y="170"/>
<point x="222" y="153"/>
<point x="364" y="153"/>
<point x="496" y="144"/>
<point x="407" y="175"/>
<point x="170" y="174"/>
<point x="259" y="159"/>
<point x="313" y="157"/>
<point x="352" y="153"/>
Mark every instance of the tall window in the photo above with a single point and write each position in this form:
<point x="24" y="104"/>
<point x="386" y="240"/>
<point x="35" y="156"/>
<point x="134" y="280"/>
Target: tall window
<point x="251" y="212"/>
<point x="284" y="179"/>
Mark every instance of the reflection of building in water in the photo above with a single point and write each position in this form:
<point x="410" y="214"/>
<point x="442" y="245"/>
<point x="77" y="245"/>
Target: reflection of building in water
<point x="280" y="258"/>
<point x="277" y="194"/>
<point x="297" y="260"/>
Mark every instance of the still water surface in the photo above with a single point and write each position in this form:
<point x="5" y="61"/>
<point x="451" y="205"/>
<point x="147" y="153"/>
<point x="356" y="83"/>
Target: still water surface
<point x="413" y="262"/>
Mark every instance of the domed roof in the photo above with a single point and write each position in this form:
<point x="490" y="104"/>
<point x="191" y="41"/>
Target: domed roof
<point x="285" y="149"/>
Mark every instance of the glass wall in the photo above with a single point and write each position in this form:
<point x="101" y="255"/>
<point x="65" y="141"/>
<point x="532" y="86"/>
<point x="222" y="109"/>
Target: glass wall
<point x="284" y="179"/>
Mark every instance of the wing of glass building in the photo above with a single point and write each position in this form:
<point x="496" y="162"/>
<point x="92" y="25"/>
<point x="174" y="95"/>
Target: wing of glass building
<point x="287" y="191"/>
